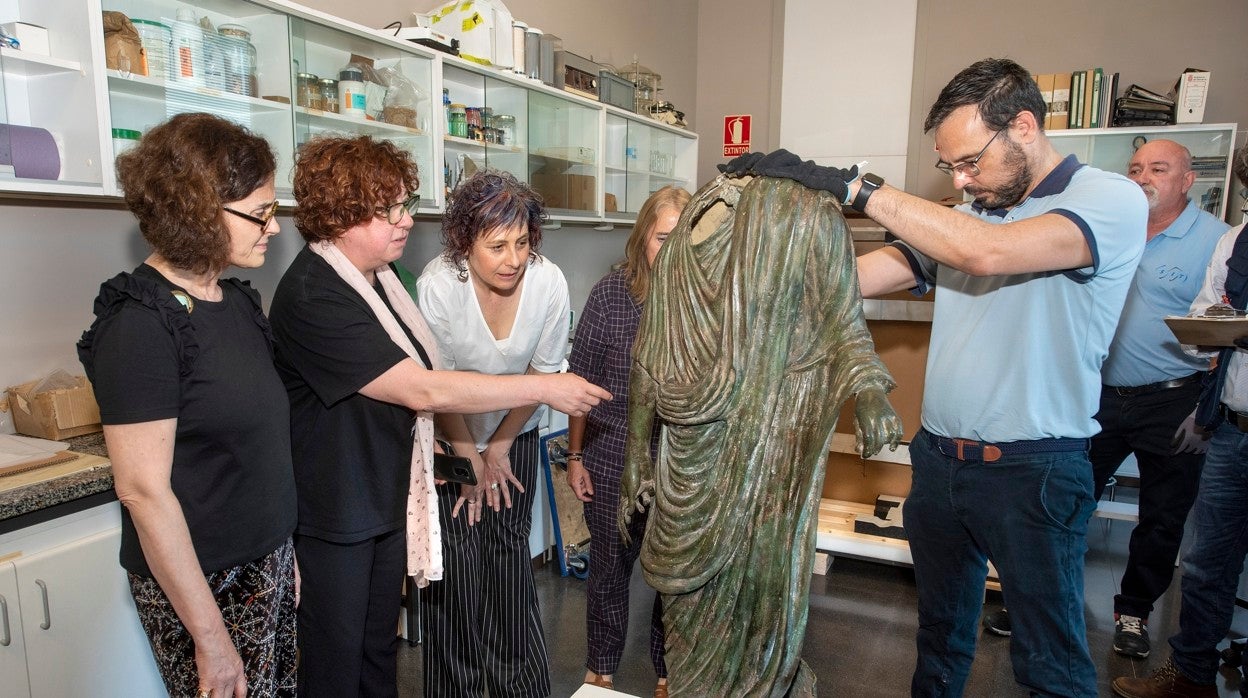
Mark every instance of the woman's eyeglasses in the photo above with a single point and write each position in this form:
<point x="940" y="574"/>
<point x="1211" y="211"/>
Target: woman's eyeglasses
<point x="394" y="212"/>
<point x="261" y="220"/>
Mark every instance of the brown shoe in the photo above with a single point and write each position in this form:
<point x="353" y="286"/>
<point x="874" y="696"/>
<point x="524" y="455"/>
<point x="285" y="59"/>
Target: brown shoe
<point x="1164" y="682"/>
<point x="660" y="691"/>
<point x="601" y="682"/>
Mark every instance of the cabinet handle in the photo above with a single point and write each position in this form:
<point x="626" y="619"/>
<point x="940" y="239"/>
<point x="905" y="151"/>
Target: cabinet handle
<point x="5" y="639"/>
<point x="47" y="613"/>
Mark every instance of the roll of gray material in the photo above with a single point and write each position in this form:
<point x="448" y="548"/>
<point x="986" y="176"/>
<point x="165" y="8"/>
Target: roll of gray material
<point x="31" y="151"/>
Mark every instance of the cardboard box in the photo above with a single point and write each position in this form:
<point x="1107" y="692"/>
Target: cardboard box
<point x="55" y="414"/>
<point x="560" y="188"/>
<point x="33" y="38"/>
<point x="1191" y="92"/>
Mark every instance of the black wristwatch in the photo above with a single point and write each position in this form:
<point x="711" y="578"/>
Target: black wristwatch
<point x="870" y="182"/>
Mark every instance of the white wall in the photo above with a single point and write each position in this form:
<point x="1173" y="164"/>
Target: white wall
<point x="845" y="95"/>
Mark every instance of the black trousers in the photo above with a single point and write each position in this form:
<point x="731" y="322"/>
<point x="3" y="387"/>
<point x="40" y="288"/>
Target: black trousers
<point x="481" y="624"/>
<point x="1144" y="425"/>
<point x="349" y="615"/>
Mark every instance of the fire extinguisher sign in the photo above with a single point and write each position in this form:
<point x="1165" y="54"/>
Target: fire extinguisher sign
<point x="736" y="135"/>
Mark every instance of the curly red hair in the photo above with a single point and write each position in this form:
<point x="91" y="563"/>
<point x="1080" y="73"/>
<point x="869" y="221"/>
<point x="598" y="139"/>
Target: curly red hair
<point x="340" y="181"/>
<point x="178" y="178"/>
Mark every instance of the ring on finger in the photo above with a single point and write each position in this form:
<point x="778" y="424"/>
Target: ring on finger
<point x="204" y="693"/>
<point x="494" y="485"/>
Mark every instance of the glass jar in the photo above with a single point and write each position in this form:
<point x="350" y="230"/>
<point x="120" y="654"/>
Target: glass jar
<point x="308" y="91"/>
<point x="124" y="139"/>
<point x="458" y="123"/>
<point x="157" y="41"/>
<point x="329" y="94"/>
<point x="238" y="60"/>
<point x="505" y="124"/>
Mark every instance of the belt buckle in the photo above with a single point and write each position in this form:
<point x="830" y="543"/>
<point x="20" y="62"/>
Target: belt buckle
<point x="987" y="452"/>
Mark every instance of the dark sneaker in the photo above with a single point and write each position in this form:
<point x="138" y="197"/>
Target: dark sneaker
<point x="1131" y="636"/>
<point x="1165" y="682"/>
<point x="998" y="623"/>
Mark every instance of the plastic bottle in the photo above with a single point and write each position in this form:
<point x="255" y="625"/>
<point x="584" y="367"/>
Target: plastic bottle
<point x="352" y="100"/>
<point x="188" y="46"/>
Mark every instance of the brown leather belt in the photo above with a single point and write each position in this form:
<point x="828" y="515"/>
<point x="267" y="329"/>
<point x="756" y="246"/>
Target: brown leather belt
<point x="971" y="450"/>
<point x="1129" y="390"/>
<point x="1237" y="419"/>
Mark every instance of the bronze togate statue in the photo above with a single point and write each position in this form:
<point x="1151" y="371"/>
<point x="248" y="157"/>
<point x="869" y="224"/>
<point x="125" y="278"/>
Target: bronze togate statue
<point x="752" y="339"/>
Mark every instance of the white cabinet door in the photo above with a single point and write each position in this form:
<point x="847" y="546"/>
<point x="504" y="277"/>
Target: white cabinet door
<point x="12" y="648"/>
<point x="83" y="636"/>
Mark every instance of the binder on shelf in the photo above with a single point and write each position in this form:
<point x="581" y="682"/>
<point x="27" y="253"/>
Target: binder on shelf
<point x="1109" y="91"/>
<point x="1045" y="83"/>
<point x="1088" y="77"/>
<point x="1191" y="90"/>
<point x="1097" y="75"/>
<point x="1061" y="103"/>
<point x="1076" y="99"/>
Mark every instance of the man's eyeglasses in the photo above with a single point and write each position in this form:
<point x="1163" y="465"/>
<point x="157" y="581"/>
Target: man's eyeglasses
<point x="261" y="220"/>
<point x="967" y="168"/>
<point x="394" y="212"/>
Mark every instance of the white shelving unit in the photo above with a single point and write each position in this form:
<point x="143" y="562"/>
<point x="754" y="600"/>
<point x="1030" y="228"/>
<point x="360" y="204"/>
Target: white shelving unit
<point x="593" y="162"/>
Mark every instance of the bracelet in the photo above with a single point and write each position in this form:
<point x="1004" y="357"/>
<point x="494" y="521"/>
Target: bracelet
<point x="576" y="455"/>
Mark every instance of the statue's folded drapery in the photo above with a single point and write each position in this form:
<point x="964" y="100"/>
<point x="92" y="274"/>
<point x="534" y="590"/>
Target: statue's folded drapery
<point x="752" y="339"/>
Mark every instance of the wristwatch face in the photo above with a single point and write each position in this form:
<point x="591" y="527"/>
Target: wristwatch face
<point x="870" y="182"/>
<point x="873" y="179"/>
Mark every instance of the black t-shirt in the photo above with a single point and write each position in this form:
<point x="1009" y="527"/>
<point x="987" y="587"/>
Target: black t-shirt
<point x="352" y="454"/>
<point x="212" y="370"/>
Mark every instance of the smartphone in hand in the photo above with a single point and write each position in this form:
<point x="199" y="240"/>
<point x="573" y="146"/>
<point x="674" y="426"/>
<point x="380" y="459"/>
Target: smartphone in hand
<point x="452" y="468"/>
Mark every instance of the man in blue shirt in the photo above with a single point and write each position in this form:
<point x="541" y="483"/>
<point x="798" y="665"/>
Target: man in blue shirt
<point x="1151" y="386"/>
<point x="1030" y="280"/>
<point x="1150" y="389"/>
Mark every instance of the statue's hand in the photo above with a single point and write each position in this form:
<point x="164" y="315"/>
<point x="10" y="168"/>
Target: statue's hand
<point x="636" y="493"/>
<point x="875" y="422"/>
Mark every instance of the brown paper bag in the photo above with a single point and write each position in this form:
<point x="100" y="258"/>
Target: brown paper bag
<point x="123" y="50"/>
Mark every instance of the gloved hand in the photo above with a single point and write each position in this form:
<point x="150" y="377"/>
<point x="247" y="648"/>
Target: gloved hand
<point x="1190" y="438"/>
<point x="782" y="163"/>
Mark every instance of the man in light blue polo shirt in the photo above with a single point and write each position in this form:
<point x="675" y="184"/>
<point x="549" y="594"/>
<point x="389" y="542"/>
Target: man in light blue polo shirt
<point x="1030" y="280"/>
<point x="1151" y="385"/>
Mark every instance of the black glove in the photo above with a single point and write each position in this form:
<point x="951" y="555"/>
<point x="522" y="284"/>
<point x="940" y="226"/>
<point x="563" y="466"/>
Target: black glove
<point x="741" y="164"/>
<point x="1241" y="342"/>
<point x="781" y="163"/>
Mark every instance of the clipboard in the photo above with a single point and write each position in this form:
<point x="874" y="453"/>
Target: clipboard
<point x="1208" y="331"/>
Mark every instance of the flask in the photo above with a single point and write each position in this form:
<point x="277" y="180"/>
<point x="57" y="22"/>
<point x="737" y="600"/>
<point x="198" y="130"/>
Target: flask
<point x="352" y="100"/>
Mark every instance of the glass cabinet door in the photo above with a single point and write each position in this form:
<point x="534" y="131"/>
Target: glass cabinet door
<point x="51" y="113"/>
<point x="1211" y="147"/>
<point x="223" y="57"/>
<point x="346" y="84"/>
<point x="616" y="182"/>
<point x="485" y="121"/>
<point x="563" y="157"/>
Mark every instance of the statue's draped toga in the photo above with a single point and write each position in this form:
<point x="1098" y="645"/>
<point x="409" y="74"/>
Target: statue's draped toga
<point x="750" y="342"/>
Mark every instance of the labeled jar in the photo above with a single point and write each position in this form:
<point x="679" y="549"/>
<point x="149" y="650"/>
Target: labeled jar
<point x="238" y="60"/>
<point x="186" y="62"/>
<point x="156" y="39"/>
<point x="308" y="91"/>
<point x="457" y="125"/>
<point x="505" y="125"/>
<point x="352" y="100"/>
<point x="329" y="94"/>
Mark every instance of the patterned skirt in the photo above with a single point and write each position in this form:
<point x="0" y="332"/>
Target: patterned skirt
<point x="257" y="602"/>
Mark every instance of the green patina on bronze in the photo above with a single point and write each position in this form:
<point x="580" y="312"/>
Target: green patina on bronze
<point x="751" y="340"/>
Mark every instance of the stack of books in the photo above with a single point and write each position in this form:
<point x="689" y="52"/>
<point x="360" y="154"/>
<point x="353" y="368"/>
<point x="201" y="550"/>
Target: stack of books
<point x="1142" y="107"/>
<point x="1082" y="99"/>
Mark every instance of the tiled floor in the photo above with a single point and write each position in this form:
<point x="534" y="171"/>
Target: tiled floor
<point x="860" y="638"/>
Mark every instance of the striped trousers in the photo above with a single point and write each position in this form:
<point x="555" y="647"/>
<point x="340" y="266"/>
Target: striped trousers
<point x="482" y="628"/>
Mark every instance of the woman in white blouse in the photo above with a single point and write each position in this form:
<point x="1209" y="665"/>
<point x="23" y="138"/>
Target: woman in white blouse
<point x="495" y="306"/>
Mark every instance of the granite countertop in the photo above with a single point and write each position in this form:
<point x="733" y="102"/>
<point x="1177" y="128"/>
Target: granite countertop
<point x="33" y="497"/>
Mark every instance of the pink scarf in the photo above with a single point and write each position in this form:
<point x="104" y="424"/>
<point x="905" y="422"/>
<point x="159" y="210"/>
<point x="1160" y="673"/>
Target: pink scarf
<point x="424" y="534"/>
